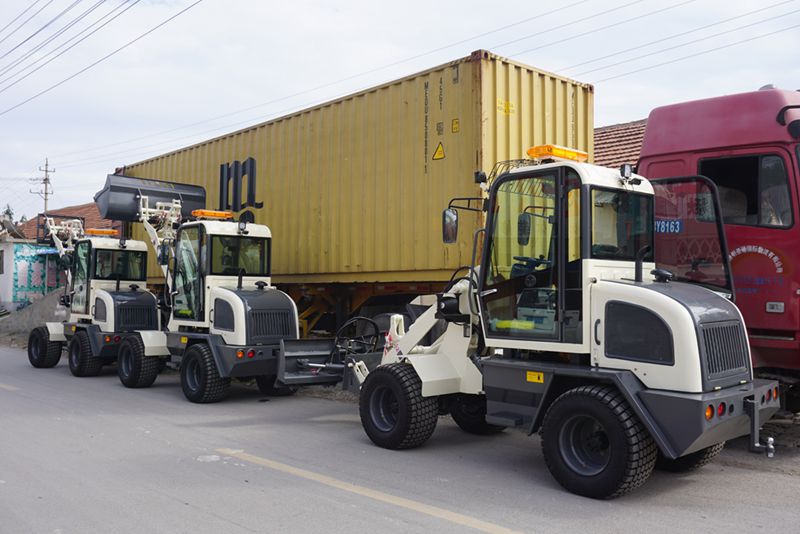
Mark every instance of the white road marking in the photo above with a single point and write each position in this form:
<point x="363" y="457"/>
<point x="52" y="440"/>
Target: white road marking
<point x="8" y="388"/>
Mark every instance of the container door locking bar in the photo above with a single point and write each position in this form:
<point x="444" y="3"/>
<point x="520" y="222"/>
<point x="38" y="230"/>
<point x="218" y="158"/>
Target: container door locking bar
<point x="751" y="409"/>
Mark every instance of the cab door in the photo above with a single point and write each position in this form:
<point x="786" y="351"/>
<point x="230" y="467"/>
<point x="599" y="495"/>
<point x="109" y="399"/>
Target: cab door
<point x="689" y="236"/>
<point x="80" y="278"/>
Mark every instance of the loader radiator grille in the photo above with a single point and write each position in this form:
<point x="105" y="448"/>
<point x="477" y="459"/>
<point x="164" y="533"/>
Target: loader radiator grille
<point x="268" y="325"/>
<point x="136" y="318"/>
<point x="725" y="349"/>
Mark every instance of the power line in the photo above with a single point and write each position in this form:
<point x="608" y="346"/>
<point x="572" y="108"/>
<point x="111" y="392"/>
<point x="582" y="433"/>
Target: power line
<point x="15" y="19"/>
<point x="120" y="49"/>
<point x="46" y="25"/>
<point x="329" y="84"/>
<point x="50" y="39"/>
<point x="25" y="22"/>
<point x="691" y="56"/>
<point x="10" y="77"/>
<point x="607" y="26"/>
<point x="673" y="36"/>
<point x="667" y="49"/>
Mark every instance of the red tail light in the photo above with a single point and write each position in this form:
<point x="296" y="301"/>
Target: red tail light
<point x="721" y="409"/>
<point x="116" y="339"/>
<point x="251" y="353"/>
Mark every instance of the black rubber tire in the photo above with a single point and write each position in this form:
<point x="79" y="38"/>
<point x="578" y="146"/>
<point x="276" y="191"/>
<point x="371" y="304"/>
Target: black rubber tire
<point x="200" y="379"/>
<point x="691" y="461"/>
<point x="43" y="353"/>
<point x="593" y="429"/>
<point x="266" y="385"/>
<point x="393" y="411"/>
<point x="81" y="361"/>
<point x="469" y="413"/>
<point x="136" y="370"/>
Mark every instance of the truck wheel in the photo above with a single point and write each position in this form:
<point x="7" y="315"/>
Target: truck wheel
<point x="81" y="360"/>
<point x="200" y="378"/>
<point x="43" y="353"/>
<point x="136" y="370"/>
<point x="469" y="413"/>
<point x="691" y="461"/>
<point x="393" y="411"/>
<point x="267" y="386"/>
<point x="594" y="445"/>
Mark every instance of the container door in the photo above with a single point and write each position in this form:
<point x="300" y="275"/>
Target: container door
<point x="689" y="235"/>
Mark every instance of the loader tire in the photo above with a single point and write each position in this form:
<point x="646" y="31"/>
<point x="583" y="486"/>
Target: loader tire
<point x="393" y="411"/>
<point x="469" y="413"/>
<point x="136" y="370"/>
<point x="691" y="461"/>
<point x="594" y="445"/>
<point x="81" y="360"/>
<point x="200" y="379"/>
<point x="266" y="385"/>
<point x="43" y="353"/>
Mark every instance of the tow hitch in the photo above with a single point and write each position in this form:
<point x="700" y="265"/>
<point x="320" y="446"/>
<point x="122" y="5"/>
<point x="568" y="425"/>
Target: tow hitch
<point x="751" y="409"/>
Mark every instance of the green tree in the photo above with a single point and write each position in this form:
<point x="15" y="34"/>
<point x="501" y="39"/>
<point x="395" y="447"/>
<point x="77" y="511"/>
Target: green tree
<point x="8" y="211"/>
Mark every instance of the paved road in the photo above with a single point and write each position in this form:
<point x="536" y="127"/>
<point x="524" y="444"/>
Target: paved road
<point x="87" y="455"/>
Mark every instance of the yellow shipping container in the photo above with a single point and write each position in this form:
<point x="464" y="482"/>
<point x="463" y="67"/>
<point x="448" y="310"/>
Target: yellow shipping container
<point x="353" y="189"/>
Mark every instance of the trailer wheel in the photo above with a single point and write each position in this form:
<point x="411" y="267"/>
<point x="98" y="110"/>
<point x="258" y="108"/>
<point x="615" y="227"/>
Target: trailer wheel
<point x="81" y="360"/>
<point x="393" y="411"/>
<point x="594" y="445"/>
<point x="469" y="413"/>
<point x="136" y="370"/>
<point x="200" y="379"/>
<point x="43" y="353"/>
<point x="691" y="461"/>
<point x="266" y="385"/>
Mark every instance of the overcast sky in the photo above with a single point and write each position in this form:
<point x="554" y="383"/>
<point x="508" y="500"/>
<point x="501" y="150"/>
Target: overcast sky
<point x="170" y="88"/>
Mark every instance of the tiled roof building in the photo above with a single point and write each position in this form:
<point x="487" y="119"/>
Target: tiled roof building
<point x="618" y="143"/>
<point x="91" y="218"/>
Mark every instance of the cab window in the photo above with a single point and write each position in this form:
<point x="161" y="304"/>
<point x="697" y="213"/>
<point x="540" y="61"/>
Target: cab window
<point x="188" y="301"/>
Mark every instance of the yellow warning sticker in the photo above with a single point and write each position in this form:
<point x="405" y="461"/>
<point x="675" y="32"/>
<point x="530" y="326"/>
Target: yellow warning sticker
<point x="506" y="107"/>
<point x="439" y="152"/>
<point x="534" y="376"/>
<point x="455" y="126"/>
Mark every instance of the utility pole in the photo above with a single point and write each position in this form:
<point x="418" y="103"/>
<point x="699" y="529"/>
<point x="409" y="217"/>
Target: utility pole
<point x="45" y="181"/>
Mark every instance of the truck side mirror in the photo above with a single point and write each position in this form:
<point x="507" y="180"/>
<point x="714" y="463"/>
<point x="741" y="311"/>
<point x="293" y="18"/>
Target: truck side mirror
<point x="524" y="228"/>
<point x="449" y="225"/>
<point x="162" y="257"/>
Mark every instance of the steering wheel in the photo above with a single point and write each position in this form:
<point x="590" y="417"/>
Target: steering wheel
<point x="533" y="262"/>
<point x="359" y="344"/>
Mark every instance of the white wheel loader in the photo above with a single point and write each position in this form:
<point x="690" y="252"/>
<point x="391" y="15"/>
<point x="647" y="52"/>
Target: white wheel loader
<point x="225" y="319"/>
<point x="106" y="297"/>
<point x="597" y="312"/>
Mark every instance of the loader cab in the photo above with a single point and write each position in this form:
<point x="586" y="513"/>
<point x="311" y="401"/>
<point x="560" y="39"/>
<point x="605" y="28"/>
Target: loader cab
<point x="216" y="252"/>
<point x="101" y="261"/>
<point x="555" y="229"/>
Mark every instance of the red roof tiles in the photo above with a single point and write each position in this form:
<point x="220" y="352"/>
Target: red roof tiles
<point x="618" y="143"/>
<point x="89" y="213"/>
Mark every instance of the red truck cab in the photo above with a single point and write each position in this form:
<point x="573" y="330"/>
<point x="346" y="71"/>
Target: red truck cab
<point x="749" y="145"/>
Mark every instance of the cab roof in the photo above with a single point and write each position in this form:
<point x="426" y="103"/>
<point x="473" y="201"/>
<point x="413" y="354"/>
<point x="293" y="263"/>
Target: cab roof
<point x="112" y="243"/>
<point x="595" y="175"/>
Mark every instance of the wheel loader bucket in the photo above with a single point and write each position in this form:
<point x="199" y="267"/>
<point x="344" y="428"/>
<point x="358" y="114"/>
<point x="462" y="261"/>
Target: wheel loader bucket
<point x="119" y="198"/>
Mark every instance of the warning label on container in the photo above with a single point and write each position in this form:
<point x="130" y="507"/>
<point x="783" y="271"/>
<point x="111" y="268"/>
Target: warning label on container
<point x="439" y="152"/>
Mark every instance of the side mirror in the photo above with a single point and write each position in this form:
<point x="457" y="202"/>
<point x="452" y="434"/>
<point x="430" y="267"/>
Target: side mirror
<point x="162" y="257"/>
<point x="449" y="225"/>
<point x="65" y="262"/>
<point x="524" y="228"/>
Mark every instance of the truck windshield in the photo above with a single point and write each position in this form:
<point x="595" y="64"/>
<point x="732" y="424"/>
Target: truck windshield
<point x="231" y="254"/>
<point x="622" y="224"/>
<point x="689" y="240"/>
<point x="122" y="264"/>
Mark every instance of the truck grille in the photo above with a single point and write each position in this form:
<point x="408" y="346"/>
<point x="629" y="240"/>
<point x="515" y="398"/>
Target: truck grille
<point x="726" y="349"/>
<point x="136" y="318"/>
<point x="268" y="325"/>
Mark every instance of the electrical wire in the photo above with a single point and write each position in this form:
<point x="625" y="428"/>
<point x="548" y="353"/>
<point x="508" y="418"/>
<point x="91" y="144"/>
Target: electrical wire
<point x="50" y="39"/>
<point x="691" y="56"/>
<point x="130" y="3"/>
<point x="4" y="39"/>
<point x="606" y="27"/>
<point x="41" y="29"/>
<point x="674" y="36"/>
<point x="694" y="41"/>
<point x="329" y="84"/>
<point x="102" y="59"/>
<point x="15" y="19"/>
